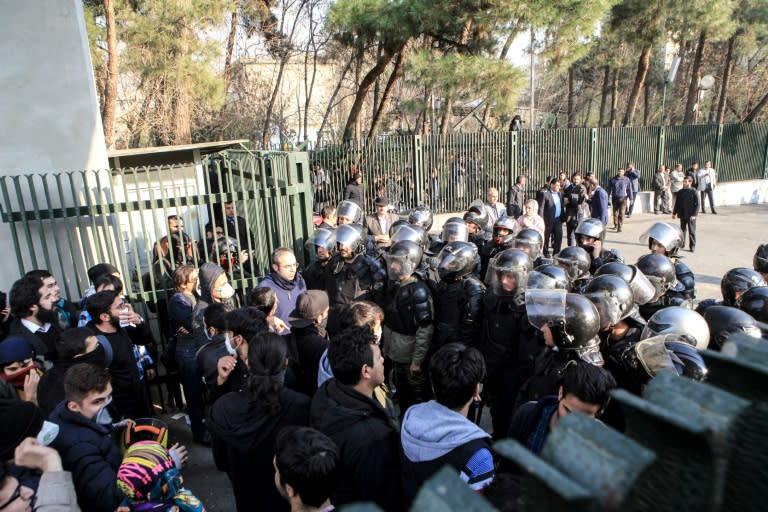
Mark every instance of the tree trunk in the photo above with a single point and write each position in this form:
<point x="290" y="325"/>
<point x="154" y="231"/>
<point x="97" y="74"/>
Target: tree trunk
<point x="182" y="103"/>
<point x="230" y="49"/>
<point x="643" y="64"/>
<point x="446" y="115"/>
<point x="604" y="94"/>
<point x="110" y="83"/>
<point x="331" y="100"/>
<point x="309" y="88"/>
<point x="397" y="73"/>
<point x="756" y="111"/>
<point x="614" y="98"/>
<point x="284" y="58"/>
<point x="571" y="98"/>
<point x="693" y="87"/>
<point x="646" y="105"/>
<point x="365" y="87"/>
<point x="727" y="71"/>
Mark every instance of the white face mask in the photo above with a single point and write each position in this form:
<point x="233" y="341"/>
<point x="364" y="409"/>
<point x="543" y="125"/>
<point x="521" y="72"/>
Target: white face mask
<point x="103" y="417"/>
<point x="228" y="344"/>
<point x="48" y="433"/>
<point x="226" y="291"/>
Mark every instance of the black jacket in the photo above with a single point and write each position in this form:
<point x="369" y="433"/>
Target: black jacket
<point x="129" y="392"/>
<point x="306" y="345"/>
<point x="90" y="453"/>
<point x="244" y="446"/>
<point x="547" y="207"/>
<point x="515" y="201"/>
<point x="50" y="390"/>
<point x="354" y="192"/>
<point x="686" y="204"/>
<point x="368" y="442"/>
<point x="44" y="344"/>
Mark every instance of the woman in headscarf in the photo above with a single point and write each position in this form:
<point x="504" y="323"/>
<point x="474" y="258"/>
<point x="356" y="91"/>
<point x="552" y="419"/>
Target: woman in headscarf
<point x="530" y="217"/>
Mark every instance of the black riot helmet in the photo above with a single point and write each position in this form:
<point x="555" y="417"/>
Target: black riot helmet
<point x="410" y="232"/>
<point x="548" y="277"/>
<point x="402" y="259"/>
<point x="760" y="261"/>
<point x="321" y="238"/>
<point x="738" y="280"/>
<point x="571" y="319"/>
<point x="612" y="297"/>
<point x="530" y="241"/>
<point x="456" y="260"/>
<point x="398" y="224"/>
<point x="593" y="228"/>
<point x="504" y="231"/>
<point x="643" y="291"/>
<point x="684" y="322"/>
<point x="421" y="216"/>
<point x="687" y="360"/>
<point x="755" y="302"/>
<point x="454" y="230"/>
<point x="726" y="320"/>
<point x="660" y="271"/>
<point x="508" y="272"/>
<point x="479" y="219"/>
<point x="352" y="236"/>
<point x="639" y="362"/>
<point x="349" y="210"/>
<point x="666" y="234"/>
<point x="575" y="261"/>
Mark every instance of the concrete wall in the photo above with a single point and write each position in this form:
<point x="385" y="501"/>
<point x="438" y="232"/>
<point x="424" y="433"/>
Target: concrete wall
<point x="49" y="114"/>
<point x="726" y="194"/>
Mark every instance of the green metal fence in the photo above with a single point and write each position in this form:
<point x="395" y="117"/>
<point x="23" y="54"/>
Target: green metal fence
<point x="448" y="172"/>
<point x="67" y="222"/>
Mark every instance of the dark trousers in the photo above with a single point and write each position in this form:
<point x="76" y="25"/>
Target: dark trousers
<point x="619" y="206"/>
<point x="191" y="381"/>
<point x="689" y="226"/>
<point x="499" y="391"/>
<point x="412" y="388"/>
<point x="553" y="234"/>
<point x="631" y="205"/>
<point x="570" y="227"/>
<point x="711" y="195"/>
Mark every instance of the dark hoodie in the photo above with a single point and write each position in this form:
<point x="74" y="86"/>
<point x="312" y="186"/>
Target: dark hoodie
<point x="207" y="275"/>
<point x="244" y="446"/>
<point x="368" y="443"/>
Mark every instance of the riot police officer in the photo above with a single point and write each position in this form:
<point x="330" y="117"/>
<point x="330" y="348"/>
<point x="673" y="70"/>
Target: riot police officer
<point x="576" y="262"/>
<point x="660" y="271"/>
<point x="726" y="320"/>
<point x="323" y="244"/>
<point x="667" y="239"/>
<point x="509" y="343"/>
<point x="532" y="242"/>
<point x="458" y="296"/>
<point x="732" y="286"/>
<point x="408" y="323"/>
<point x="590" y="235"/>
<point x="352" y="275"/>
<point x="503" y="238"/>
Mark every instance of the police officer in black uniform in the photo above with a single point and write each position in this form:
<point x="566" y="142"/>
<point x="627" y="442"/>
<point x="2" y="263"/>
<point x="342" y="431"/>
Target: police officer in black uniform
<point x="458" y="296"/>
<point x="509" y="342"/>
<point x="504" y="231"/>
<point x="323" y="244"/>
<point x="590" y="235"/>
<point x="408" y="323"/>
<point x="667" y="239"/>
<point x="576" y="262"/>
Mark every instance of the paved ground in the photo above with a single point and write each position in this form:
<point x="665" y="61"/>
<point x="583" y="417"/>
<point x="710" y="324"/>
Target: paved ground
<point x="725" y="241"/>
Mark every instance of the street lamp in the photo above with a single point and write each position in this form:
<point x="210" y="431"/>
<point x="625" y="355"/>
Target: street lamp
<point x="670" y="79"/>
<point x="705" y="83"/>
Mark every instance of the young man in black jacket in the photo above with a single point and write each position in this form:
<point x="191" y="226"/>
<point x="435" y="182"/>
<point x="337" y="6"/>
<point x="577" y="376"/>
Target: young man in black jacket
<point x="344" y="409"/>
<point x="686" y="208"/>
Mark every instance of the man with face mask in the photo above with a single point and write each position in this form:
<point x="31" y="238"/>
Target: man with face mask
<point x="408" y="323"/>
<point x="78" y="345"/>
<point x="35" y="318"/>
<point x="85" y="440"/>
<point x="18" y="368"/>
<point x="130" y="391"/>
<point x="214" y="287"/>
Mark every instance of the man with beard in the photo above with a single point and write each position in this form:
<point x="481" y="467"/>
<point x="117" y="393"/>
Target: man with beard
<point x="35" y="319"/>
<point x="129" y="388"/>
<point x="576" y="207"/>
<point x="67" y="311"/>
<point x="286" y="280"/>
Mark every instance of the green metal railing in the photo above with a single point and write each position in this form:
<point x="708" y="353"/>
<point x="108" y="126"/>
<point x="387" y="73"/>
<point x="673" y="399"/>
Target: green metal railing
<point x="416" y="169"/>
<point x="68" y="222"/>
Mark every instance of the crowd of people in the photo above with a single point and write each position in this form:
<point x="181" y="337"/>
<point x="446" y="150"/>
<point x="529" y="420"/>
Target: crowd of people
<point x="360" y="375"/>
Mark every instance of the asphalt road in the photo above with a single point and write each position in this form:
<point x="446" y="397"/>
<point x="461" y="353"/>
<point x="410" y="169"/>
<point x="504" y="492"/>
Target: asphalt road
<point x="725" y="241"/>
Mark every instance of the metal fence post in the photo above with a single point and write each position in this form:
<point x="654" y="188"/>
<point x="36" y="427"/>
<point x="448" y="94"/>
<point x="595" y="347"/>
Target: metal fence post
<point x="662" y="138"/>
<point x="418" y="169"/>
<point x="593" y="148"/>
<point x="718" y="146"/>
<point x="765" y="160"/>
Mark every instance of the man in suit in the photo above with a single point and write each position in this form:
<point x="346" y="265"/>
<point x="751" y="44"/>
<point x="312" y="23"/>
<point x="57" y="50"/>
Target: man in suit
<point x="686" y="208"/>
<point x="552" y="209"/>
<point x="378" y="224"/>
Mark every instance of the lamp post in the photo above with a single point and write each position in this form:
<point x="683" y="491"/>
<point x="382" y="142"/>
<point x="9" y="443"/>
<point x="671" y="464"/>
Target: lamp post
<point x="705" y="83"/>
<point x="668" y="80"/>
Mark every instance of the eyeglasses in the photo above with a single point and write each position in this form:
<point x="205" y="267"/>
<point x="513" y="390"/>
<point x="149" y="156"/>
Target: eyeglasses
<point x="16" y="495"/>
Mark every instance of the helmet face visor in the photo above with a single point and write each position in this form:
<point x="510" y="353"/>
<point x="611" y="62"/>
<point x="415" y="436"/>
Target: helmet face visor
<point x="608" y="308"/>
<point x="545" y="306"/>
<point x="643" y="290"/>
<point x="654" y="357"/>
<point x="451" y="263"/>
<point x="349" y="210"/>
<point x="667" y="235"/>
<point x="506" y="281"/>
<point x="455" y="232"/>
<point x="399" y="267"/>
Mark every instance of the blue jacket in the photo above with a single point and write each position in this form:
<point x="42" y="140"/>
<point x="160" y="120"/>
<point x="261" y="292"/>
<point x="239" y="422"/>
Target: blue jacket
<point x="598" y="205"/>
<point x="634" y="178"/>
<point x="287" y="297"/>
<point x="621" y="188"/>
<point x="90" y="453"/>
